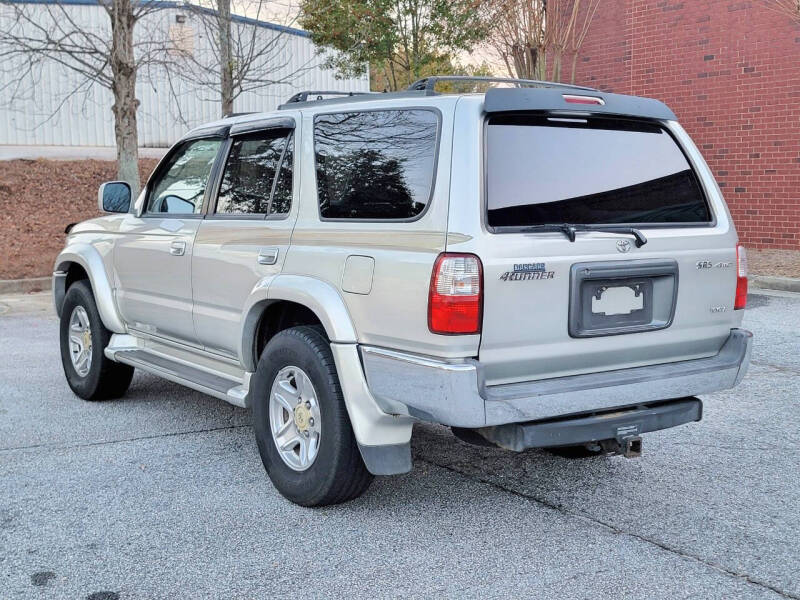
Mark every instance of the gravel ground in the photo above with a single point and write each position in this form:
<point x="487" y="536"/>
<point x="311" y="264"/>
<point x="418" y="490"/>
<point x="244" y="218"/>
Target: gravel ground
<point x="162" y="495"/>
<point x="783" y="263"/>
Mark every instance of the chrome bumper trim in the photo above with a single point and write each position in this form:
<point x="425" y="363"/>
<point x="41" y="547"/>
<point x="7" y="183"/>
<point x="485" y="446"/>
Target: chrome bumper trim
<point x="454" y="393"/>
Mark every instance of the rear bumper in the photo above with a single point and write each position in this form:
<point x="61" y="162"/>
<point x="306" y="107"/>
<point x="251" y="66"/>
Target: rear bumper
<point x="454" y="393"/>
<point x="573" y="431"/>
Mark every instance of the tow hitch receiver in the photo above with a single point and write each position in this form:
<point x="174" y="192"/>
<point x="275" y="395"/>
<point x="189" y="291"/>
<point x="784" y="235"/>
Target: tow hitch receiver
<point x="629" y="447"/>
<point x="633" y="447"/>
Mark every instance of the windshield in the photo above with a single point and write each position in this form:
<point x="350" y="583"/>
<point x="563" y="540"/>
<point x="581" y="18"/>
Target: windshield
<point x="589" y="171"/>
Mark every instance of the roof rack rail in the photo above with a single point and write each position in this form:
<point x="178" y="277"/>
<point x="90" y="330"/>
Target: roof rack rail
<point x="428" y="84"/>
<point x="304" y="96"/>
<point x="239" y="114"/>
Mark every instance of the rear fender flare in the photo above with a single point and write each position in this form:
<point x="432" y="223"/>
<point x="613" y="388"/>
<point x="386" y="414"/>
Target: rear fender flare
<point x="322" y="299"/>
<point x="316" y="295"/>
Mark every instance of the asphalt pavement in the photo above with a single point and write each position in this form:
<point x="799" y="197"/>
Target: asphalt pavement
<point x="162" y="495"/>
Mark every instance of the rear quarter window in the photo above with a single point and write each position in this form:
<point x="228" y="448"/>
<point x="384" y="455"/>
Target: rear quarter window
<point x="594" y="171"/>
<point x="375" y="165"/>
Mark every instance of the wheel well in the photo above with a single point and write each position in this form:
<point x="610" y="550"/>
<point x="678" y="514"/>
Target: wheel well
<point x="75" y="272"/>
<point x="279" y="316"/>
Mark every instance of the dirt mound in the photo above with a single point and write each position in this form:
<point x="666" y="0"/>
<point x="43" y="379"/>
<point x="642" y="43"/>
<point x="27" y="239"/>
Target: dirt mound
<point x="38" y="199"/>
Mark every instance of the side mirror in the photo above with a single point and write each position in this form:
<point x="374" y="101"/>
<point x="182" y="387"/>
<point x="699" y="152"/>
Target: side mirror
<point x="114" y="197"/>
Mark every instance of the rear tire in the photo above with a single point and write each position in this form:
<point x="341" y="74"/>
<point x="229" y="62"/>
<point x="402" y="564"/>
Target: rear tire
<point x="83" y="339"/>
<point x="298" y="364"/>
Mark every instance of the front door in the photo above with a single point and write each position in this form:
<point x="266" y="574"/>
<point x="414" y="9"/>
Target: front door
<point x="245" y="235"/>
<point x="153" y="255"/>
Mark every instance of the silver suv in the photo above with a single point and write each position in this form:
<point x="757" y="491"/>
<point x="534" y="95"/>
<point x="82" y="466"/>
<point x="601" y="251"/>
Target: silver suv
<point x="533" y="265"/>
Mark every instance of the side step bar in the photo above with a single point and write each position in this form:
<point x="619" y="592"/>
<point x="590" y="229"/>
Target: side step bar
<point x="209" y="383"/>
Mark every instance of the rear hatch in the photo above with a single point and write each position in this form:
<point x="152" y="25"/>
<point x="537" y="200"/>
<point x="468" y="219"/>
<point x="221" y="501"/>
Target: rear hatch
<point x="601" y="249"/>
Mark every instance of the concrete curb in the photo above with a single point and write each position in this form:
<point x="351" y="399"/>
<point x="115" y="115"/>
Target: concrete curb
<point x="25" y="286"/>
<point x="771" y="282"/>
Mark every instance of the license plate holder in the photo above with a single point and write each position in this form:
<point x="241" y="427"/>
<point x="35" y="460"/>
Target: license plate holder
<point x="616" y="297"/>
<point x="602" y="299"/>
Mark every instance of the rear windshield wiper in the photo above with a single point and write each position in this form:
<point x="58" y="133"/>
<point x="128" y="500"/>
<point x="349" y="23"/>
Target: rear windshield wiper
<point x="638" y="235"/>
<point x="570" y="230"/>
<point x="565" y="228"/>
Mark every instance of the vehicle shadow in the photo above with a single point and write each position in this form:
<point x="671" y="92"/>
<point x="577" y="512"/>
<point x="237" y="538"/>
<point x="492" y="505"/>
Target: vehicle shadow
<point x="442" y="463"/>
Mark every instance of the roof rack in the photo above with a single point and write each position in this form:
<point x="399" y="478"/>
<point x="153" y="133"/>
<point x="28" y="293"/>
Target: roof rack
<point x="237" y="114"/>
<point x="428" y="84"/>
<point x="304" y="96"/>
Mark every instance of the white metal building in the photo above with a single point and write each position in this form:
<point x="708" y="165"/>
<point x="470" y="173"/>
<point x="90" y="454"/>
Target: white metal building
<point x="169" y="106"/>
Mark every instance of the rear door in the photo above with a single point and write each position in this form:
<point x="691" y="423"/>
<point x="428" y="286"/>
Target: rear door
<point x="555" y="307"/>
<point x="246" y="233"/>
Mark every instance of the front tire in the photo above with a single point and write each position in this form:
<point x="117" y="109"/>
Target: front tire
<point x="90" y="374"/>
<point x="301" y="423"/>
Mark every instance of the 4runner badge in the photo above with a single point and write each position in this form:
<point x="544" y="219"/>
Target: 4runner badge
<point x="527" y="272"/>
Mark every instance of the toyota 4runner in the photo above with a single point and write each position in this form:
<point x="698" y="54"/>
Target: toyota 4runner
<point x="533" y="265"/>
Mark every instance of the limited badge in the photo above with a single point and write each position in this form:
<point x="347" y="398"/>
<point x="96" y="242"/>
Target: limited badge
<point x="528" y="272"/>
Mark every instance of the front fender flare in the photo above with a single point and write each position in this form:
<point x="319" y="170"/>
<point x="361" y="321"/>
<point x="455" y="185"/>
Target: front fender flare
<point x="88" y="257"/>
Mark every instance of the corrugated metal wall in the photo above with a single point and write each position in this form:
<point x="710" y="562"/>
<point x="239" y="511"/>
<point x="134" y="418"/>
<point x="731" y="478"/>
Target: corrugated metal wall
<point x="170" y="106"/>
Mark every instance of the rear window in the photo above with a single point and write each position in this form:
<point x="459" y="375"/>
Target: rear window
<point x="543" y="170"/>
<point x="375" y="164"/>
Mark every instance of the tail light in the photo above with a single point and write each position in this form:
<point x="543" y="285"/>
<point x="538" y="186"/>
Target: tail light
<point x="456" y="296"/>
<point x="741" y="278"/>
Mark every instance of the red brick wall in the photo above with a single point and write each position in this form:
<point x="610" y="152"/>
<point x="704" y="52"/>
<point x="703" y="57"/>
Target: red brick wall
<point x="731" y="72"/>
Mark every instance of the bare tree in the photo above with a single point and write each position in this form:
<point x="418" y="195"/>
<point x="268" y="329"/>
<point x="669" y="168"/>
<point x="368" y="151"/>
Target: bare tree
<point x="109" y="55"/>
<point x="524" y="33"/>
<point x="243" y="56"/>
<point x="790" y="8"/>
<point x="518" y="35"/>
<point x="579" y="30"/>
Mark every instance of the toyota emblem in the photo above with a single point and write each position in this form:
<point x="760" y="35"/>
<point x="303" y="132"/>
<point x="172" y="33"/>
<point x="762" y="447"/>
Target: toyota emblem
<point x="623" y="246"/>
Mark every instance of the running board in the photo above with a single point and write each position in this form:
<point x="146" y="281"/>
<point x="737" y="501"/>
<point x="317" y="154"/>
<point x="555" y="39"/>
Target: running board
<point x="209" y="383"/>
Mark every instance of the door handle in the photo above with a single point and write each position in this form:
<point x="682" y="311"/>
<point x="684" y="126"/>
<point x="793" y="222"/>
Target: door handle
<point x="268" y="256"/>
<point x="177" y="248"/>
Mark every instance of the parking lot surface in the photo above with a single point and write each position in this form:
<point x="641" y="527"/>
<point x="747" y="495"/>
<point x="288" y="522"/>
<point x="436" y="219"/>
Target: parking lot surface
<point x="162" y="495"/>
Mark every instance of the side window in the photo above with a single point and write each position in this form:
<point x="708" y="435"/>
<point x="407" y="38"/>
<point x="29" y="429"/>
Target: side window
<point x="282" y="196"/>
<point x="254" y="167"/>
<point x="375" y="164"/>
<point x="179" y="188"/>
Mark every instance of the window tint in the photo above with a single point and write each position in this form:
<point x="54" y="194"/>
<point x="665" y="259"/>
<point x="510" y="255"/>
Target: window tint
<point x="250" y="174"/>
<point x="282" y="196"/>
<point x="588" y="171"/>
<point x="179" y="188"/>
<point x="375" y="164"/>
